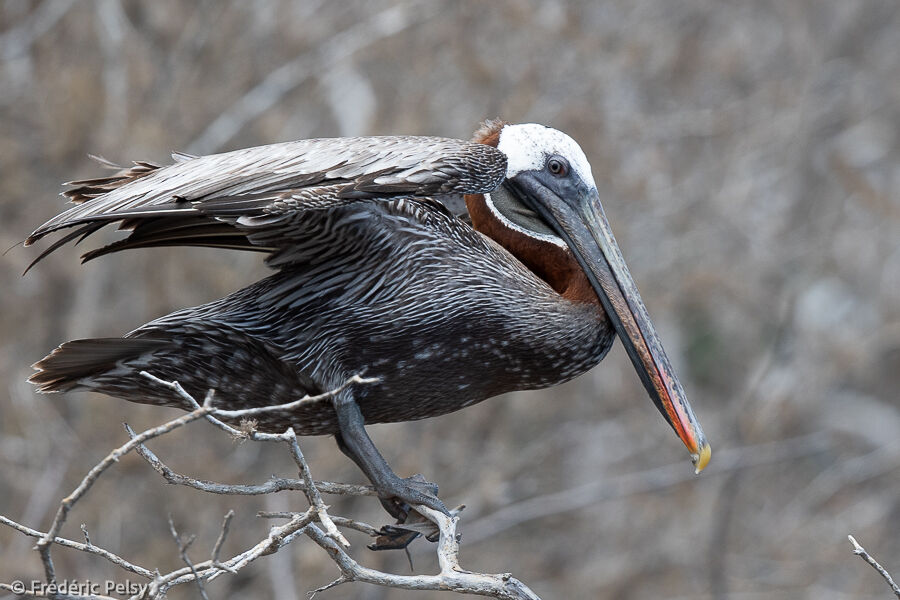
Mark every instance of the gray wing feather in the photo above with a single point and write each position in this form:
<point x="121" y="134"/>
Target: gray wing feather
<point x="189" y="201"/>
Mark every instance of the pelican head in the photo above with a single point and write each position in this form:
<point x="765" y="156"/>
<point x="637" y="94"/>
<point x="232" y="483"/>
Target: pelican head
<point x="550" y="193"/>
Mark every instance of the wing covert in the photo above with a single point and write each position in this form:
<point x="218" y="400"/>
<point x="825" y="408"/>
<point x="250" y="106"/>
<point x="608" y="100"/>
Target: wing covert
<point x="202" y="200"/>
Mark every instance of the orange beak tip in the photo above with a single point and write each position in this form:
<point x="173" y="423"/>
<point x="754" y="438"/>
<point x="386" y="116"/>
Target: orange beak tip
<point x="701" y="459"/>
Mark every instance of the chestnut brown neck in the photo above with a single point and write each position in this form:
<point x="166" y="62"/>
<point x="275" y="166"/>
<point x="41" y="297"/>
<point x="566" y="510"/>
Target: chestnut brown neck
<point x="555" y="265"/>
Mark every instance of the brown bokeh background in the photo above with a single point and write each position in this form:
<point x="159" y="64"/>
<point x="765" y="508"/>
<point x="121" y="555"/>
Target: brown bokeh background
<point x="748" y="157"/>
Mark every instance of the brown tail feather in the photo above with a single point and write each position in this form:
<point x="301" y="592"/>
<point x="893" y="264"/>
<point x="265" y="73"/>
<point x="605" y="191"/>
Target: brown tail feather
<point x="65" y="367"/>
<point x="86" y="189"/>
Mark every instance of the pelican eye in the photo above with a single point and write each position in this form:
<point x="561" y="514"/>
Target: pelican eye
<point x="558" y="166"/>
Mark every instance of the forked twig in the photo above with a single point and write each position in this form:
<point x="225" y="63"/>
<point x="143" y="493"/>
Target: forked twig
<point x="316" y="523"/>
<point x="861" y="552"/>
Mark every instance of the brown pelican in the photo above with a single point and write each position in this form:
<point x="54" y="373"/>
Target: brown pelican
<point x="522" y="286"/>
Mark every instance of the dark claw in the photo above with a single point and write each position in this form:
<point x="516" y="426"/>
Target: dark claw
<point x="397" y="495"/>
<point x="392" y="538"/>
<point x="398" y="537"/>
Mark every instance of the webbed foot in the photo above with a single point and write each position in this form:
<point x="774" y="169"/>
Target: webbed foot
<point x="401" y="535"/>
<point x="398" y="494"/>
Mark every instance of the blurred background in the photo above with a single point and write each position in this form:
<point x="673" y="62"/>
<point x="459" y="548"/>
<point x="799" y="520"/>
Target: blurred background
<point x="748" y="158"/>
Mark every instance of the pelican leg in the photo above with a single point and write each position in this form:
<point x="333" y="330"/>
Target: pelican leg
<point x="396" y="494"/>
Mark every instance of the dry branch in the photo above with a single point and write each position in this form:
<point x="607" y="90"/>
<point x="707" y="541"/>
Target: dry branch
<point x="88" y="548"/>
<point x="272" y="485"/>
<point x="861" y="552"/>
<point x="47" y="540"/>
<point x="316" y="523"/>
<point x="451" y="578"/>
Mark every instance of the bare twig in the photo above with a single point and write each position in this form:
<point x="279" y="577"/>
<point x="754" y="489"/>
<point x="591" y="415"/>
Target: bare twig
<point x="357" y="525"/>
<point x="217" y="548"/>
<point x="207" y="570"/>
<point x="288" y="437"/>
<point x="182" y="551"/>
<point x="84" y="531"/>
<point x="451" y="578"/>
<point x="88" y="548"/>
<point x="312" y="493"/>
<point x="274" y="484"/>
<point x="315" y="522"/>
<point x="249" y="412"/>
<point x="44" y="544"/>
<point x="339" y="521"/>
<point x="861" y="552"/>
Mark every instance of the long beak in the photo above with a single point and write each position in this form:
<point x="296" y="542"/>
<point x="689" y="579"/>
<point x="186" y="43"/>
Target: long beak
<point x="585" y="229"/>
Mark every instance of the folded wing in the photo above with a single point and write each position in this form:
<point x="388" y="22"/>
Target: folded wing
<point x="248" y="198"/>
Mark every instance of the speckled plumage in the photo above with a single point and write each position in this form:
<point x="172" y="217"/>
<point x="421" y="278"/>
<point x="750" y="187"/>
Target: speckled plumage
<point x="450" y="271"/>
<point x="374" y="278"/>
